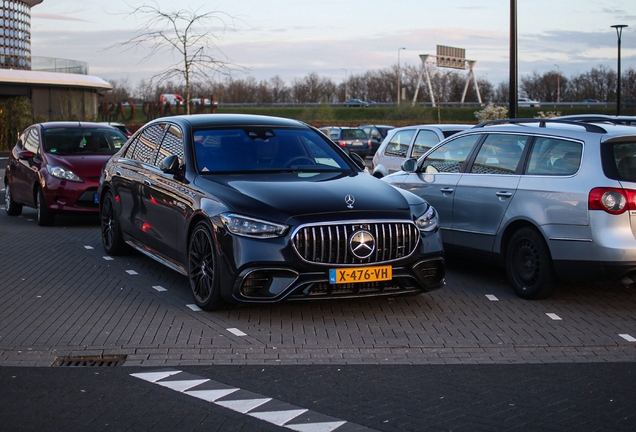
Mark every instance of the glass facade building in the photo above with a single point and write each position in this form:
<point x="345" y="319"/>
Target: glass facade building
<point x="15" y="33"/>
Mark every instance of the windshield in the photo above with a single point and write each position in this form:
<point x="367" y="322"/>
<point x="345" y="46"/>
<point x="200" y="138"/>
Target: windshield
<point x="265" y="149"/>
<point x="83" y="140"/>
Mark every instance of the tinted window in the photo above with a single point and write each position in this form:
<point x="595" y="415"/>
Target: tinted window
<point x="80" y="140"/>
<point x="399" y="143"/>
<point x="172" y="144"/>
<point x="499" y="154"/>
<point x="147" y="143"/>
<point x="551" y="156"/>
<point x="32" y="141"/>
<point x="264" y="149"/>
<point x="621" y="160"/>
<point x="450" y="157"/>
<point x="424" y="141"/>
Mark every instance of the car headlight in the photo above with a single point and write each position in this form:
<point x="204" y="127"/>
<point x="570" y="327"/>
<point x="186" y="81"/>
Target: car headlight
<point x="248" y="227"/>
<point x="429" y="221"/>
<point x="63" y="173"/>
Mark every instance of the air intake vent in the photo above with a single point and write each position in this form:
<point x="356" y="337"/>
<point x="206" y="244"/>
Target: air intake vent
<point x="91" y="361"/>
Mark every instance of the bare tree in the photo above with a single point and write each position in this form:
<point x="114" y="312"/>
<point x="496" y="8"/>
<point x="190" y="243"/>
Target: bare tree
<point x="186" y="33"/>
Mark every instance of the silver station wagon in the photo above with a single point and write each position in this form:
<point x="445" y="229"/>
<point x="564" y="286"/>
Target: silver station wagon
<point x="549" y="199"/>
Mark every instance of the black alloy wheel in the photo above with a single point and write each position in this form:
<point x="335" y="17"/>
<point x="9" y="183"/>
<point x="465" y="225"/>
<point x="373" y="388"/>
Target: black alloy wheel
<point x="203" y="269"/>
<point x="12" y="208"/>
<point x="112" y="238"/>
<point x="529" y="265"/>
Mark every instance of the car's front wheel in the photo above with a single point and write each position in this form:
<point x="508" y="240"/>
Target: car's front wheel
<point x="112" y="238"/>
<point x="203" y="269"/>
<point x="12" y="208"/>
<point x="45" y="216"/>
<point x="529" y="265"/>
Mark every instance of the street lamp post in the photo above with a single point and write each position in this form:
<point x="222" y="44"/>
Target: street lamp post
<point x="558" y="84"/>
<point x="346" y="85"/>
<point x="398" y="76"/>
<point x="619" y="32"/>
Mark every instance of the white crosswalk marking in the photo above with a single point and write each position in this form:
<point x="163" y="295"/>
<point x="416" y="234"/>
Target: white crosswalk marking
<point x="279" y="418"/>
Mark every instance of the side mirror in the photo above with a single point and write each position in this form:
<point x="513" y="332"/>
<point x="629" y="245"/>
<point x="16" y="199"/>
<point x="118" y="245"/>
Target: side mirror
<point x="358" y="160"/>
<point x="409" y="165"/>
<point x="170" y="165"/>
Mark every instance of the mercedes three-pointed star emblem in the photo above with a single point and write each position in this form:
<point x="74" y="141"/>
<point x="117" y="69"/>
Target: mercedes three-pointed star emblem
<point x="349" y="200"/>
<point x="362" y="244"/>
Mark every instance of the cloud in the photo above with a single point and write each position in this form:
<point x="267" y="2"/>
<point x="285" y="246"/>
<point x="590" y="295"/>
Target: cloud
<point x="56" y="17"/>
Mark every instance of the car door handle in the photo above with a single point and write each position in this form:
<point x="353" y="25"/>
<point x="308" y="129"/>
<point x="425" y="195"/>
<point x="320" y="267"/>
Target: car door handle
<point x="504" y="194"/>
<point x="147" y="182"/>
<point x="447" y="190"/>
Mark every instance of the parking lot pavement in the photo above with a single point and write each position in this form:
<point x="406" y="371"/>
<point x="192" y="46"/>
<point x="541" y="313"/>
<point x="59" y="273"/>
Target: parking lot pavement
<point x="471" y="356"/>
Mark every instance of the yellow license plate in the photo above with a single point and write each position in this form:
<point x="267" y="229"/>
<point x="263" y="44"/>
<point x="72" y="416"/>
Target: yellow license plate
<point x="360" y="274"/>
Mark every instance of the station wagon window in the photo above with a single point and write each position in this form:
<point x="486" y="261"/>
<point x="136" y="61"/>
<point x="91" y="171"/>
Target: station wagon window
<point x="399" y="143"/>
<point x="622" y="157"/>
<point x="424" y="141"/>
<point x="499" y="154"/>
<point x="553" y="156"/>
<point x="450" y="157"/>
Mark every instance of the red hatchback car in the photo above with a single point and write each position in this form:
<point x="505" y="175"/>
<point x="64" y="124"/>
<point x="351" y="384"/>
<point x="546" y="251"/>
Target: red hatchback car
<point x="55" y="168"/>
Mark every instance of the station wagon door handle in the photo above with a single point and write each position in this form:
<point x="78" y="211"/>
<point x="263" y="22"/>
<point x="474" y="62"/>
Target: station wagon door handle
<point x="447" y="190"/>
<point x="504" y="194"/>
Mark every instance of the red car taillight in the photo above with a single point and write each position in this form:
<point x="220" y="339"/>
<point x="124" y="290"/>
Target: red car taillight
<point x="612" y="200"/>
<point x="369" y="144"/>
<point x="342" y="143"/>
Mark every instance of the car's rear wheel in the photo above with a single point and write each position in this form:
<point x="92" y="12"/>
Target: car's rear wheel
<point x="203" y="269"/>
<point x="45" y="216"/>
<point x="529" y="265"/>
<point x="112" y="238"/>
<point x="12" y="208"/>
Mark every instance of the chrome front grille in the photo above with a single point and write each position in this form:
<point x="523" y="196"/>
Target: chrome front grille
<point x="329" y="243"/>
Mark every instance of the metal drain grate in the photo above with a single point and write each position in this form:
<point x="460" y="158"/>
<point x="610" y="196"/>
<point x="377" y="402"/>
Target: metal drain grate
<point x="91" y="361"/>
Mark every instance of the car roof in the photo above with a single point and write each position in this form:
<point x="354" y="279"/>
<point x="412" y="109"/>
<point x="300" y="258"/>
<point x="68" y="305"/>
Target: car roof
<point x="73" y="124"/>
<point x="223" y="120"/>
<point x="441" y="127"/>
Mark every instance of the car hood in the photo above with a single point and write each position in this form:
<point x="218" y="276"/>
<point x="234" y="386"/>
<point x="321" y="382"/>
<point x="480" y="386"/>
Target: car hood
<point x="85" y="166"/>
<point x="281" y="197"/>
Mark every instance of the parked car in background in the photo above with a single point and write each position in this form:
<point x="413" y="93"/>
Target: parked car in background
<point x="356" y="103"/>
<point x="259" y="209"/>
<point x="527" y="102"/>
<point x="550" y="199"/>
<point x="172" y="99"/>
<point x="590" y="101"/>
<point x="122" y="127"/>
<point x="409" y="142"/>
<point x="376" y="133"/>
<point x="55" y="167"/>
<point x="352" y="139"/>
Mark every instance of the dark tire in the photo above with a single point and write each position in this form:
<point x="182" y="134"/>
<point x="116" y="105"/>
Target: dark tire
<point x="45" y="216"/>
<point x="529" y="265"/>
<point x="203" y="269"/>
<point x="12" y="207"/>
<point x="112" y="238"/>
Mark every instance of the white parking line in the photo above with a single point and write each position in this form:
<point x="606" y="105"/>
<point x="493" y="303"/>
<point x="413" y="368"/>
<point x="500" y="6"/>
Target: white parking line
<point x="554" y="316"/>
<point x="194" y="307"/>
<point x="159" y="288"/>
<point x="132" y="272"/>
<point x="236" y="332"/>
<point x="628" y="338"/>
<point x="108" y="258"/>
<point x="491" y="297"/>
<point x="88" y="247"/>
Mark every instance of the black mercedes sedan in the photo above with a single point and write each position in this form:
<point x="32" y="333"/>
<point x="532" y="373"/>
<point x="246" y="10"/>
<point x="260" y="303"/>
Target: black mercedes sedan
<point x="264" y="209"/>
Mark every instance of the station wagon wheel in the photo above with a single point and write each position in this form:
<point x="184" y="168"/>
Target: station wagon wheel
<point x="112" y="238"/>
<point x="203" y="269"/>
<point x="45" y="217"/>
<point x="12" y="208"/>
<point x="529" y="265"/>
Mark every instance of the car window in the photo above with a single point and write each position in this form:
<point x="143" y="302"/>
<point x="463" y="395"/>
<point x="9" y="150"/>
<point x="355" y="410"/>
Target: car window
<point x="172" y="144"/>
<point x="450" y="156"/>
<point x="424" y="141"/>
<point x="499" y="154"/>
<point x="353" y="134"/>
<point x="147" y="143"/>
<point x="264" y="149"/>
<point x="553" y="156"/>
<point x="624" y="158"/>
<point x="399" y="143"/>
<point x="32" y="141"/>
<point x="82" y="140"/>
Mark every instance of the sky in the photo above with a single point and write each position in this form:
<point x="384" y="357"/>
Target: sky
<point x="341" y="38"/>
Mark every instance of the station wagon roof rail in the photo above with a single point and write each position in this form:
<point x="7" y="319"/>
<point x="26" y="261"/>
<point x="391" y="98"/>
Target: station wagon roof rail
<point x="542" y="123"/>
